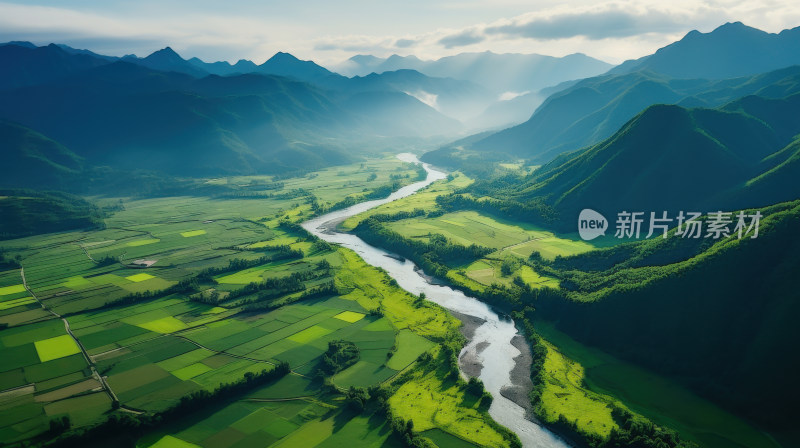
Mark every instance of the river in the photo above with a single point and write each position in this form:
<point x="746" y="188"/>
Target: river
<point x="489" y="347"/>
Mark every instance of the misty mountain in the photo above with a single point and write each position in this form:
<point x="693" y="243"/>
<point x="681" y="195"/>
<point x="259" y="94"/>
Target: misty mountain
<point x="23" y="65"/>
<point x="224" y="68"/>
<point x="499" y="73"/>
<point x="284" y="64"/>
<point x="457" y="99"/>
<point x="593" y="109"/>
<point x="167" y="60"/>
<point x="506" y="111"/>
<point x="384" y="108"/>
<point x="129" y="116"/>
<point x="732" y="50"/>
<point x="281" y="64"/>
<point x="31" y="160"/>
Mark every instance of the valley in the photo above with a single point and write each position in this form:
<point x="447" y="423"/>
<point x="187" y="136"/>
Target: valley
<point x="227" y="300"/>
<point x="506" y="226"/>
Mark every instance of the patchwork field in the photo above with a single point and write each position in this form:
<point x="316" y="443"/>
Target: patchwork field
<point x="509" y="238"/>
<point x="183" y="295"/>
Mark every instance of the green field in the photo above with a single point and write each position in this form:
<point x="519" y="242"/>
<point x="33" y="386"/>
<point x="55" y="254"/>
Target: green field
<point x="349" y="316"/>
<point x="192" y="233"/>
<point x="57" y="347"/>
<point x="433" y="403"/>
<point x="655" y="397"/>
<point x="155" y="347"/>
<point x="470" y="227"/>
<point x="173" y="442"/>
<point x="564" y="394"/>
<point x="139" y="277"/>
<point x="143" y="242"/>
<point x="8" y="290"/>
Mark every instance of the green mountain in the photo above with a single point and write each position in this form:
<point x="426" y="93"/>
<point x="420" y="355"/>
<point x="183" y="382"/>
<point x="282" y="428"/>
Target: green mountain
<point x="718" y="316"/>
<point x="126" y="115"/>
<point x="28" y="212"/>
<point x="133" y="117"/>
<point x="31" y="160"/>
<point x="593" y="109"/>
<point x="670" y="158"/>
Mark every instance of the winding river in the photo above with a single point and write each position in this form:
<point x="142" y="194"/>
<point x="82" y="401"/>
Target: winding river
<point x="489" y="350"/>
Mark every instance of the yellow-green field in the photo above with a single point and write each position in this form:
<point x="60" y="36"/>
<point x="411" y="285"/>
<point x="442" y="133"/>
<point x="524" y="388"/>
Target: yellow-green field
<point x="433" y="403"/>
<point x="139" y="277"/>
<point x="144" y="242"/>
<point x="349" y="316"/>
<point x="8" y="290"/>
<point x="57" y="347"/>
<point x="192" y="233"/>
<point x="471" y="227"/>
<point x="12" y="303"/>
<point x="173" y="442"/>
<point x="163" y="325"/>
<point x="659" y="399"/>
<point x="565" y="395"/>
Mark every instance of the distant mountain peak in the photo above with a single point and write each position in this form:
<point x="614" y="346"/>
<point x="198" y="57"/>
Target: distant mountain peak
<point x="283" y="57"/>
<point x="165" y="53"/>
<point x="19" y="43"/>
<point x="396" y="57"/>
<point x="738" y="28"/>
<point x="733" y="26"/>
<point x="365" y="59"/>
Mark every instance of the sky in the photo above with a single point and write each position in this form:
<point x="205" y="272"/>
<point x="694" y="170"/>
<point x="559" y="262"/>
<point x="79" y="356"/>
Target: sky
<point x="329" y="32"/>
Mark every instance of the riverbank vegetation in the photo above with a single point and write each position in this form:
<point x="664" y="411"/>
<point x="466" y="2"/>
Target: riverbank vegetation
<point x="530" y="268"/>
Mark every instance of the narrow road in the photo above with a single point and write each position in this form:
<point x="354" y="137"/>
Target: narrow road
<point x="101" y="379"/>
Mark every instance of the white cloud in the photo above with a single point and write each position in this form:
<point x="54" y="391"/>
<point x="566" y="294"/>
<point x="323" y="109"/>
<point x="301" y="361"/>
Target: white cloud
<point x="611" y="30"/>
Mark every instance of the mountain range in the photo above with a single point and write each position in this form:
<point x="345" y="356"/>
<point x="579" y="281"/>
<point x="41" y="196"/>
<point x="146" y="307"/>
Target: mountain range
<point x="594" y="108"/>
<point x="671" y="158"/>
<point x="501" y="73"/>
<point x="150" y="115"/>
<point x="731" y="50"/>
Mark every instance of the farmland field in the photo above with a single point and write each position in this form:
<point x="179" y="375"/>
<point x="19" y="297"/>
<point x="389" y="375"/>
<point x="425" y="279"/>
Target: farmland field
<point x="657" y="398"/>
<point x="230" y="290"/>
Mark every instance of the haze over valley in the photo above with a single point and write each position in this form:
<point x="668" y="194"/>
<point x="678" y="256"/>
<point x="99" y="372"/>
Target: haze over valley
<point x="569" y="226"/>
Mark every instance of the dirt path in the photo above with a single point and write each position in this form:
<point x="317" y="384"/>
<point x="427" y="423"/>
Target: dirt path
<point x="101" y="379"/>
